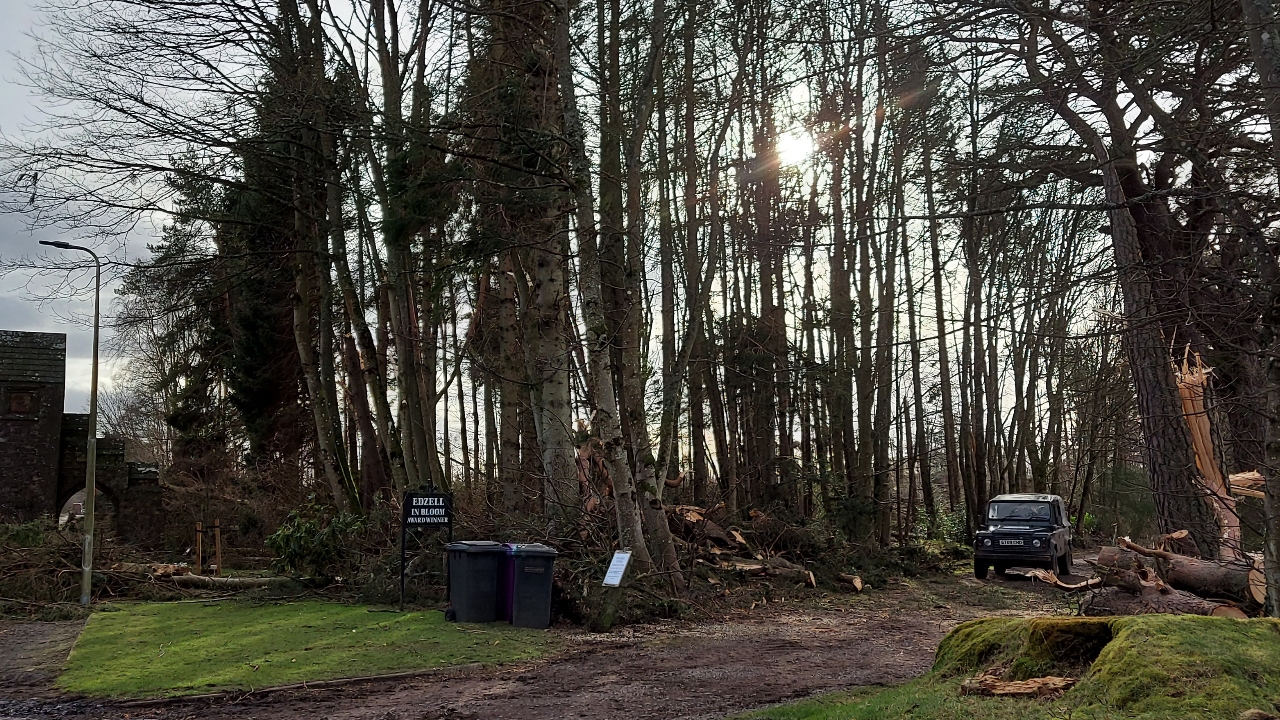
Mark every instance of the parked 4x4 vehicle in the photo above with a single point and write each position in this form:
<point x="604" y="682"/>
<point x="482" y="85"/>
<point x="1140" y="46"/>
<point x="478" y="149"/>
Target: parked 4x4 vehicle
<point x="1023" y="530"/>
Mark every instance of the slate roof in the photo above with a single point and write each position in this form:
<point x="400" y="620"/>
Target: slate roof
<point x="33" y="357"/>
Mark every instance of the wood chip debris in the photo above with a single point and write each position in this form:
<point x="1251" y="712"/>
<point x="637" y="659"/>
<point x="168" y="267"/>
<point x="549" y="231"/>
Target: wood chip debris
<point x="989" y="683"/>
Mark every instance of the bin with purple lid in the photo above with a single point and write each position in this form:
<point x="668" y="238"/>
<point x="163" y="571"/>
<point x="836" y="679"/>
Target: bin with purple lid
<point x="524" y="585"/>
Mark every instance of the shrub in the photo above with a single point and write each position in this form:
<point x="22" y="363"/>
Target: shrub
<point x="950" y="527"/>
<point x="313" y="541"/>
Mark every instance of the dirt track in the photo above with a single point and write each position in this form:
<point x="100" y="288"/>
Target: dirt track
<point x="748" y="659"/>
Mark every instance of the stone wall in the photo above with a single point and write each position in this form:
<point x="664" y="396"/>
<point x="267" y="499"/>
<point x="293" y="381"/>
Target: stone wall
<point x="43" y="450"/>
<point x="131" y="491"/>
<point x="32" y="376"/>
<point x="140" y="518"/>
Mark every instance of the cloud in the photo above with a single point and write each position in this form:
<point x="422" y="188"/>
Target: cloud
<point x="69" y="309"/>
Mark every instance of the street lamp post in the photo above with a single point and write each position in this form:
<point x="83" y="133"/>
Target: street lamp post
<point x="91" y="458"/>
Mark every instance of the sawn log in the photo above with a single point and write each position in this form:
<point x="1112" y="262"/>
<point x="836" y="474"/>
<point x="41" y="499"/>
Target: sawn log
<point x="1235" y="579"/>
<point x="1132" y="588"/>
<point x="1117" y="601"/>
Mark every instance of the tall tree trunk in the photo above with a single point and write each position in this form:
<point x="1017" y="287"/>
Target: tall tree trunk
<point x="509" y="391"/>
<point x="921" y="445"/>
<point x="884" y="375"/>
<point x="1170" y="457"/>
<point x="697" y="416"/>
<point x="330" y="456"/>
<point x="940" y="321"/>
<point x="606" y="419"/>
<point x="546" y="343"/>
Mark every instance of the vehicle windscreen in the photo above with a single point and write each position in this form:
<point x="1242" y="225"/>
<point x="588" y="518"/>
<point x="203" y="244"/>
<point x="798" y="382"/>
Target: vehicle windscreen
<point x="1030" y="512"/>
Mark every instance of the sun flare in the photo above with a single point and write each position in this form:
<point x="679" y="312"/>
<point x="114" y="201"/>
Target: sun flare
<point x="795" y="148"/>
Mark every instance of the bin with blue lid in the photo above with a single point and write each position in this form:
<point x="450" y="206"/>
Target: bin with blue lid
<point x="474" y="569"/>
<point x="525" y="585"/>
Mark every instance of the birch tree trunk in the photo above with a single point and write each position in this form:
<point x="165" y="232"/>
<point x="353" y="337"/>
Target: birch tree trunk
<point x="606" y="418"/>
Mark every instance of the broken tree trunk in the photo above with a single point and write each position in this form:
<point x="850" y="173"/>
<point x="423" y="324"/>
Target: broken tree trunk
<point x="1117" y="601"/>
<point x="1178" y="542"/>
<point x="1235" y="579"/>
<point x="691" y="524"/>
<point x="771" y="567"/>
<point x="1132" y="588"/>
<point x="1193" y="382"/>
<point x="854" y="580"/>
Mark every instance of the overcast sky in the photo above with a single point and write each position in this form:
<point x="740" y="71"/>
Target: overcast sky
<point x="20" y="107"/>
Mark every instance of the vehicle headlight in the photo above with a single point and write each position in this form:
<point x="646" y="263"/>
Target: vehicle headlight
<point x="1035" y="543"/>
<point x="987" y="542"/>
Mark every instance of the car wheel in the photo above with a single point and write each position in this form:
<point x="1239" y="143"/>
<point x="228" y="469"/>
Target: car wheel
<point x="980" y="569"/>
<point x="1065" y="563"/>
<point x="1001" y="568"/>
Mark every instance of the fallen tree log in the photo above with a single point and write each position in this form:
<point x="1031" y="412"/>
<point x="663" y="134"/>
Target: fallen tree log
<point x="1114" y="600"/>
<point x="159" y="570"/>
<point x="691" y="524"/>
<point x="1132" y="580"/>
<point x="854" y="580"/>
<point x="1133" y="588"/>
<point x="206" y="582"/>
<point x="771" y="567"/>
<point x="1235" y="579"/>
<point x="1119" y="558"/>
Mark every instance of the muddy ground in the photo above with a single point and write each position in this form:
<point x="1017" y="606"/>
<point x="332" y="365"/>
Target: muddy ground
<point x="784" y="650"/>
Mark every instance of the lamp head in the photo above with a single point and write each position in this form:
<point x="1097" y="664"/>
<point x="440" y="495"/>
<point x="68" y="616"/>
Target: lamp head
<point x="58" y="244"/>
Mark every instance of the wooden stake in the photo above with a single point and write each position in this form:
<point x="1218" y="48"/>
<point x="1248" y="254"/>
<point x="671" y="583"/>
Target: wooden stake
<point x="217" y="544"/>
<point x="199" y="546"/>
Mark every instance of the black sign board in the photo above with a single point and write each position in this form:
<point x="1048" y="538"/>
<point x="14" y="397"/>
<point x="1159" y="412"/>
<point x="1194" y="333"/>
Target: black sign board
<point x="423" y="511"/>
<point x="427" y="510"/>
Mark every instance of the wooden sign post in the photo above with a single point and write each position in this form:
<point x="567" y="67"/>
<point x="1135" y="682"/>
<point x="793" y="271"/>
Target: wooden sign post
<point x="217" y="547"/>
<point x="423" y="511"/>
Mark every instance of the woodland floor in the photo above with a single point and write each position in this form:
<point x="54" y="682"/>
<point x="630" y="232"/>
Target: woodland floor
<point x="784" y="650"/>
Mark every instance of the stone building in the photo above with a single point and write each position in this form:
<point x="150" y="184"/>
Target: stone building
<point x="43" y="449"/>
<point x="32" y="378"/>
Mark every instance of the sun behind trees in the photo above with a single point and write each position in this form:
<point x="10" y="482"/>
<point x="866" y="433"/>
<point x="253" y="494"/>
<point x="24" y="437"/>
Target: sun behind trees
<point x="546" y="256"/>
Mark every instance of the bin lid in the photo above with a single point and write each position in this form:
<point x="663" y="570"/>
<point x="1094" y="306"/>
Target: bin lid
<point x="474" y="546"/>
<point x="531" y="549"/>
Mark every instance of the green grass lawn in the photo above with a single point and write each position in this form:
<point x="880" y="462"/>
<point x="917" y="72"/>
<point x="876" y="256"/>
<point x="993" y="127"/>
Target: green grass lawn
<point x="1154" y="667"/>
<point x="178" y="648"/>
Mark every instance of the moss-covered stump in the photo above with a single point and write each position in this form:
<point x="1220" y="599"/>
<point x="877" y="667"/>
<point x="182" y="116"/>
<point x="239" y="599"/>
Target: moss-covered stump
<point x="1149" y="667"/>
<point x="1028" y="648"/>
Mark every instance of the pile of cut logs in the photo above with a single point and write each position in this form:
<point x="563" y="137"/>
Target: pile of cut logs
<point x="1130" y="579"/>
<point x="726" y="548"/>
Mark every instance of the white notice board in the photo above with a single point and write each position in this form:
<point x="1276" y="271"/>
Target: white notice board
<point x="617" y="568"/>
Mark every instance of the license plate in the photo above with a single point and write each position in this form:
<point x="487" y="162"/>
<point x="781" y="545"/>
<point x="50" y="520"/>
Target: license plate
<point x="1010" y="542"/>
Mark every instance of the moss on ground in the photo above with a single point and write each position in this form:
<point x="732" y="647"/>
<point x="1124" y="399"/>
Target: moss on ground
<point x="1150" y="667"/>
<point x="1026" y="648"/>
<point x="181" y="648"/>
